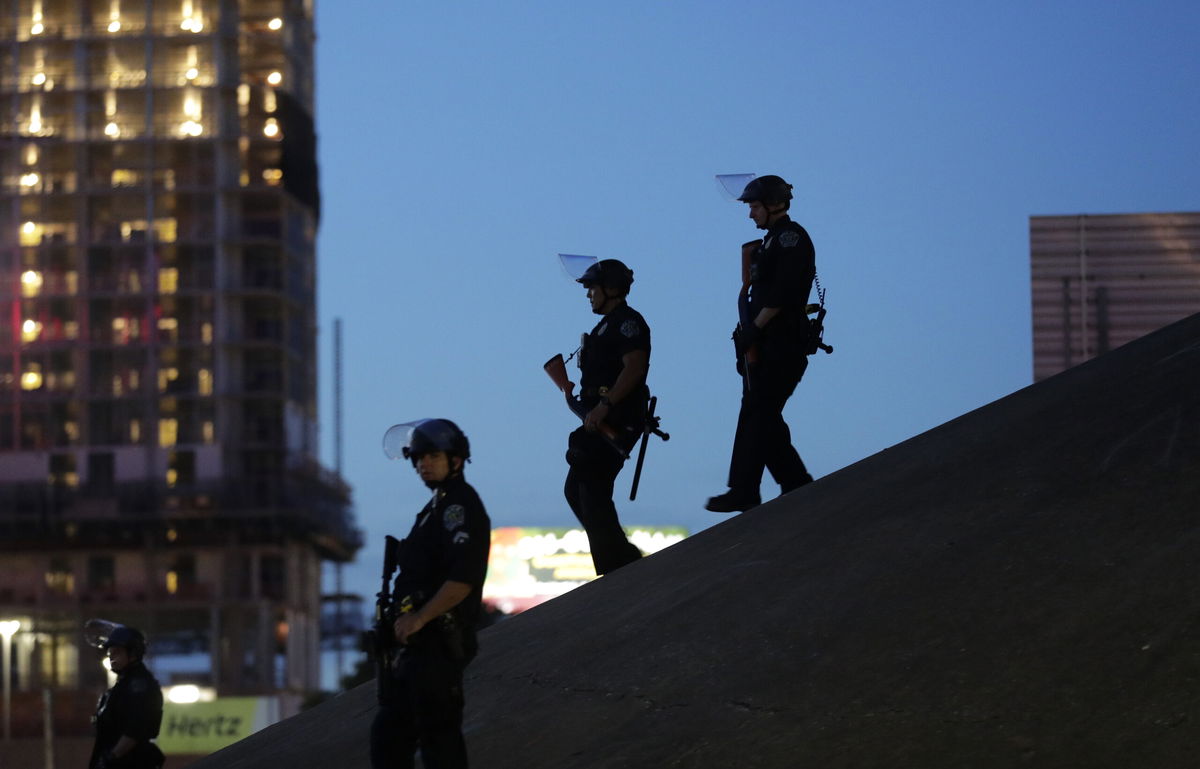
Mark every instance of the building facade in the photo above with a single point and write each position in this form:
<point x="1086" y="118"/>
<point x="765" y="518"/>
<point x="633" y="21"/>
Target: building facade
<point x="1101" y="281"/>
<point x="158" y="372"/>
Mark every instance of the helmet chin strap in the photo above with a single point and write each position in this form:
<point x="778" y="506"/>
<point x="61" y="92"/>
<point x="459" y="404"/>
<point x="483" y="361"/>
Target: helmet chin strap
<point x="607" y="299"/>
<point x="772" y="216"/>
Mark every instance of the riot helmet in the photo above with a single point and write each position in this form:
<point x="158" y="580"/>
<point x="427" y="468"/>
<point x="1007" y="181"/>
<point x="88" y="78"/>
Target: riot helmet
<point x="412" y="439"/>
<point x="768" y="190"/>
<point x="103" y="634"/>
<point x="608" y="273"/>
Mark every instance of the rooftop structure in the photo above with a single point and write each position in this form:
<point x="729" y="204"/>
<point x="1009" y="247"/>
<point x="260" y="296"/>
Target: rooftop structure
<point x="1101" y="281"/>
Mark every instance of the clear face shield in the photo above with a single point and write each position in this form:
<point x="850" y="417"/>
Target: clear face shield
<point x="398" y="439"/>
<point x="574" y="265"/>
<point x="733" y="185"/>
<point x="403" y="440"/>
<point x="96" y="632"/>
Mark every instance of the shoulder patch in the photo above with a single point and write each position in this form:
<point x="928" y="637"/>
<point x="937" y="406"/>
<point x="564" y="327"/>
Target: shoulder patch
<point x="462" y="537"/>
<point x="789" y="239"/>
<point x="601" y="328"/>
<point x="454" y="517"/>
<point x="630" y="328"/>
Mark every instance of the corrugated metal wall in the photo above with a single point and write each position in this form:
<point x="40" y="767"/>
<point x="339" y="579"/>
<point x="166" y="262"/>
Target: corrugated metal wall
<point x="1101" y="281"/>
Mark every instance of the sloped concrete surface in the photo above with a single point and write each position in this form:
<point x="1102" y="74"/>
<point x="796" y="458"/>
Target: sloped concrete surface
<point x="1017" y="587"/>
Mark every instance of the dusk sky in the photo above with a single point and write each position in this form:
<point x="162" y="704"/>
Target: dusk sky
<point x="464" y="144"/>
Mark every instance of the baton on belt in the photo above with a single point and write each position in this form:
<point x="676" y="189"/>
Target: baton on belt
<point x="651" y="426"/>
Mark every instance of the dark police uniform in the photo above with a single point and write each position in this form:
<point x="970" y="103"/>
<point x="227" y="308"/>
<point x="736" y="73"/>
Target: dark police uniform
<point x="422" y="703"/>
<point x="594" y="464"/>
<point x="133" y="708"/>
<point x="782" y="270"/>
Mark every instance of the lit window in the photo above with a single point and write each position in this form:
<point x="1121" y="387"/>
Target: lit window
<point x="272" y="176"/>
<point x="168" y="433"/>
<point x="31" y="234"/>
<point x="35" y="115"/>
<point x="37" y="28"/>
<point x="275" y="78"/>
<point x="124" y="177"/>
<point x="168" y="280"/>
<point x="135" y="431"/>
<point x="275" y="24"/>
<point x="208" y="431"/>
<point x="206" y="333"/>
<point x="39" y="78"/>
<point x="59" y="579"/>
<point x="169" y="329"/>
<point x="30" y="330"/>
<point x="165" y="377"/>
<point x="271" y="129"/>
<point x="192" y="20"/>
<point x="114" y="26"/>
<point x="112" y="130"/>
<point x="204" y="381"/>
<point x="31" y="283"/>
<point x="31" y="379"/>
<point x="191" y="128"/>
<point x="30" y="179"/>
<point x="191" y="104"/>
<point x="191" y="74"/>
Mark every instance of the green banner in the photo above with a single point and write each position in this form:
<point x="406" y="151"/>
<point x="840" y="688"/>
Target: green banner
<point x="201" y="728"/>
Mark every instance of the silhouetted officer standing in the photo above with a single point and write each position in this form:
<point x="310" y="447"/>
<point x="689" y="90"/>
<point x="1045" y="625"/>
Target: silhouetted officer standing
<point x="129" y="714"/>
<point x="772" y="342"/>
<point x="437" y="597"/>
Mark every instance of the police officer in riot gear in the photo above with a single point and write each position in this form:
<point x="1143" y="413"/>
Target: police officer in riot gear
<point x="129" y="714"/>
<point x="614" y="360"/>
<point x="772" y="341"/>
<point x="437" y="597"/>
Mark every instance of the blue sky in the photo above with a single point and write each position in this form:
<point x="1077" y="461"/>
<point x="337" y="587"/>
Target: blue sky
<point x="463" y="144"/>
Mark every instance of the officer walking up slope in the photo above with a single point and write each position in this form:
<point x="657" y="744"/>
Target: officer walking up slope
<point x="773" y="340"/>
<point x="614" y="360"/>
<point x="435" y="606"/>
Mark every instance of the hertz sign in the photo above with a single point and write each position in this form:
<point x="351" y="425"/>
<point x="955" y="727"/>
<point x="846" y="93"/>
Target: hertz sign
<point x="205" y="727"/>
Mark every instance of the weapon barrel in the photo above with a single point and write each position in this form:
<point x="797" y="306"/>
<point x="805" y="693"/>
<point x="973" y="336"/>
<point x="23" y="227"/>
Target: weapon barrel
<point x="391" y="555"/>
<point x="556" y="369"/>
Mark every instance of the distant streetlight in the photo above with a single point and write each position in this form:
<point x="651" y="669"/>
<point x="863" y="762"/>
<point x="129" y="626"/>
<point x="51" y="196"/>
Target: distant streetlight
<point x="7" y="629"/>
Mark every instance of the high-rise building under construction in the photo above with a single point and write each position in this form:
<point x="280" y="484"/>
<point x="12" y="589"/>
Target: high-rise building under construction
<point x="158" y="416"/>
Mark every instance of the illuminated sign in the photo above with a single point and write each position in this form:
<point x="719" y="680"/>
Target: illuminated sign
<point x="527" y="566"/>
<point x="200" y="728"/>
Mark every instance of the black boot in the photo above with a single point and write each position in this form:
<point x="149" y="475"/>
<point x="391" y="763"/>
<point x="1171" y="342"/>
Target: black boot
<point x="732" y="501"/>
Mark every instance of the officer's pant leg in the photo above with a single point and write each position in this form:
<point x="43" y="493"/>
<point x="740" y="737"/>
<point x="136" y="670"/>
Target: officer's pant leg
<point x="589" y="491"/>
<point x="763" y="438"/>
<point x="782" y="459"/>
<point x="438" y="703"/>
<point x="393" y="737"/>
